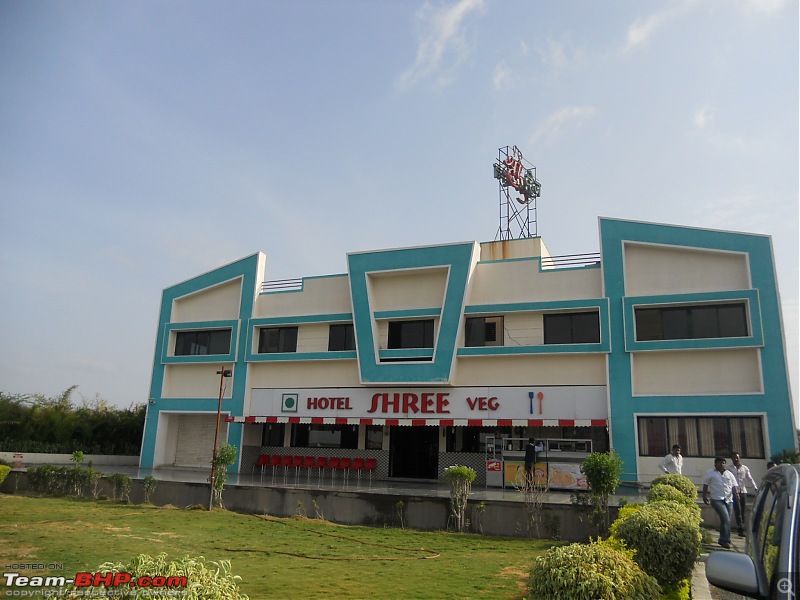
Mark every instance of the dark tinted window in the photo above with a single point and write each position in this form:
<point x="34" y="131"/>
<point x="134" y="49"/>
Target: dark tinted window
<point x="208" y="341"/>
<point x="277" y="339"/>
<point x="691" y="322"/>
<point x="572" y="328"/>
<point x="411" y="334"/>
<point x="341" y="337"/>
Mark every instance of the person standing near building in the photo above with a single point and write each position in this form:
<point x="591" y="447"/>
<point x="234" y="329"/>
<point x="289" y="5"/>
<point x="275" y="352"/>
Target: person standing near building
<point x="721" y="485"/>
<point x="743" y="477"/>
<point x="672" y="463"/>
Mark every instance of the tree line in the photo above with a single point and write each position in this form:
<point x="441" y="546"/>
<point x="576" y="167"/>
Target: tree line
<point x="36" y="423"/>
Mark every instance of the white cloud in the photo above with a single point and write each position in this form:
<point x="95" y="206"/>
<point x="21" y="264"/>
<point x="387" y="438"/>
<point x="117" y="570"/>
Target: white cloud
<point x="553" y="126"/>
<point x="703" y="116"/>
<point x="444" y="37"/>
<point x="501" y="77"/>
<point x="703" y="120"/>
<point x="644" y="28"/>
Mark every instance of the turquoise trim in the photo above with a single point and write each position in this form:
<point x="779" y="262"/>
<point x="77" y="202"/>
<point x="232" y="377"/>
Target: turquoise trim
<point x="775" y="400"/>
<point x="301" y="320"/>
<point x="407" y="314"/>
<point x="752" y="304"/>
<point x="291" y="356"/>
<point x="459" y="260"/>
<point x="543" y="349"/>
<point x="406" y="353"/>
<point x="199" y="326"/>
<point x="246" y="271"/>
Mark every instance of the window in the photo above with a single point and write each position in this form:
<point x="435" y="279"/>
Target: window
<point x="483" y="331"/>
<point x="374" y="438"/>
<point x="572" y="328"/>
<point x="411" y="334"/>
<point x="691" y="322"/>
<point x="341" y="337"/>
<point x="272" y="434"/>
<point x="325" y="436"/>
<point x="701" y="436"/>
<point x="277" y="339"/>
<point x="208" y="341"/>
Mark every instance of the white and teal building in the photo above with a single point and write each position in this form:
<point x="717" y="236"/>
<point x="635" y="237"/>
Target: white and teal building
<point x="415" y="356"/>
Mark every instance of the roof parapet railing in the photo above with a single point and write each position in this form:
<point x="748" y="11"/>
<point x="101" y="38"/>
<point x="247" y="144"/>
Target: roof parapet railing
<point x="571" y="260"/>
<point x="282" y="285"/>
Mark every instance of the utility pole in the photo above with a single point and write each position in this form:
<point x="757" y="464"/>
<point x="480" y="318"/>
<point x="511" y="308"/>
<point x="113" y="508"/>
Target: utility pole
<point x="223" y="373"/>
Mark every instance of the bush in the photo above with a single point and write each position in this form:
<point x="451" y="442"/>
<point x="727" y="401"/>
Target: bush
<point x="148" y="487"/>
<point x="791" y="457"/>
<point x="661" y="492"/>
<point x="460" y="479"/>
<point x="121" y="485"/>
<point x="680" y="482"/>
<point x="602" y="470"/>
<point x="204" y="579"/>
<point x="589" y="571"/>
<point x="666" y="539"/>
<point x="4" y="471"/>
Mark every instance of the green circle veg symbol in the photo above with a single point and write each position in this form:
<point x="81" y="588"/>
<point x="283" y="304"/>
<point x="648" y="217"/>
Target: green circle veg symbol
<point x="289" y="402"/>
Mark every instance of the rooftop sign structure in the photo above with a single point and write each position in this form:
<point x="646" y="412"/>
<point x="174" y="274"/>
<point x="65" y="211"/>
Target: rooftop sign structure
<point x="518" y="214"/>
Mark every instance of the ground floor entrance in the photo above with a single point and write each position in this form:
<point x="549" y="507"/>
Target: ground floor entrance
<point x="414" y="452"/>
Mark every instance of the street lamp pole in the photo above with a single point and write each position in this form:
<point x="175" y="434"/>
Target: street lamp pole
<point x="223" y="373"/>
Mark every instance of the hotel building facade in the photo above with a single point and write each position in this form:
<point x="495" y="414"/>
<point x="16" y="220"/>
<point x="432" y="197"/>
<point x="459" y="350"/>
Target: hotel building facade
<point x="425" y="357"/>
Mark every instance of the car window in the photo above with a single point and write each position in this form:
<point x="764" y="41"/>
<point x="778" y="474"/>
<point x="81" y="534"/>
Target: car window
<point x="767" y="533"/>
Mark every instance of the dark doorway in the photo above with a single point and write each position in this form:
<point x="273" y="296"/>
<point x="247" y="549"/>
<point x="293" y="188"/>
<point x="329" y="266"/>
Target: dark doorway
<point x="414" y="452"/>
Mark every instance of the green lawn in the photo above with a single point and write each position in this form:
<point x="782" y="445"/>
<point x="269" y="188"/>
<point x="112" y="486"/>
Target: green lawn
<point x="276" y="558"/>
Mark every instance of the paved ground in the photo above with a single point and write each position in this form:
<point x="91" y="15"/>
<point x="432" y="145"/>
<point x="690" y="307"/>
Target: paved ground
<point x="701" y="589"/>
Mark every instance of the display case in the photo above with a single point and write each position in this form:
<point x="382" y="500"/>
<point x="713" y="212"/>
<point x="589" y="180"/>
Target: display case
<point x="557" y="465"/>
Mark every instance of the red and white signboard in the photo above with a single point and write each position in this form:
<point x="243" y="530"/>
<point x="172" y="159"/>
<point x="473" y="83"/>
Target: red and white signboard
<point x="467" y="406"/>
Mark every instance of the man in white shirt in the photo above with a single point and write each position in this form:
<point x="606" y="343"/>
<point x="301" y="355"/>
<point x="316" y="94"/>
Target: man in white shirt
<point x="743" y="477"/>
<point x="672" y="462"/>
<point x="720" y="484"/>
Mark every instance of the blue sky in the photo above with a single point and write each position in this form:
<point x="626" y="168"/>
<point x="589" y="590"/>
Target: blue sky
<point x="143" y="143"/>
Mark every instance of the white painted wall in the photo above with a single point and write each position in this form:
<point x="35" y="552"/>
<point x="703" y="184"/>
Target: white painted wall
<point x="653" y="269"/>
<point x="545" y="369"/>
<point x="320" y="295"/>
<point x="216" y="303"/>
<point x="720" y="371"/>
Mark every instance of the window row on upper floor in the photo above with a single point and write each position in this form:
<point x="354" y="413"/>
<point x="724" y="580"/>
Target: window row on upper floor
<point x="648" y="323"/>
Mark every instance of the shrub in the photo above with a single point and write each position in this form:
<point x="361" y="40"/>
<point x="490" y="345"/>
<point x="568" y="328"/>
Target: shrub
<point x="121" y="486"/>
<point x="226" y="456"/>
<point x="665" y="537"/>
<point x="787" y="456"/>
<point x="661" y="492"/>
<point x="680" y="482"/>
<point x="148" y="487"/>
<point x="589" y="571"/>
<point x="602" y="470"/>
<point x="460" y="479"/>
<point x="204" y="579"/>
<point x="4" y="471"/>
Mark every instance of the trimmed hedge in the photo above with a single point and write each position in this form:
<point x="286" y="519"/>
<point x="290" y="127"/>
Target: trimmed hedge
<point x="662" y="492"/>
<point x="680" y="482"/>
<point x="590" y="571"/>
<point x="666" y="539"/>
<point x="4" y="471"/>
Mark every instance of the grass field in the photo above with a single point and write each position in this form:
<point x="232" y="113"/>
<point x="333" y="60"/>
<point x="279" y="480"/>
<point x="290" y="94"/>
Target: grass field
<point x="276" y="558"/>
